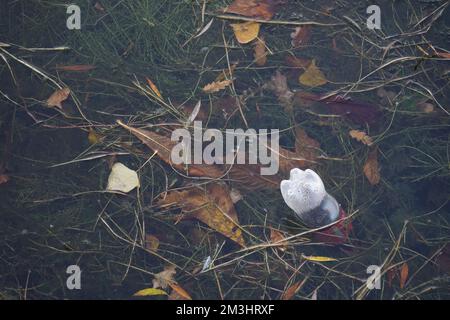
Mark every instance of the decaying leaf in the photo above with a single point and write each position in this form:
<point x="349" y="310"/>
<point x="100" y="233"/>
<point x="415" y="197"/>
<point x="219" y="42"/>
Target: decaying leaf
<point x="246" y="32"/>
<point x="4" y="178"/>
<point x="278" y="84"/>
<point x="312" y="77"/>
<point x="151" y="242"/>
<point x="277" y="237"/>
<point x="361" y="136"/>
<point x="404" y="271"/>
<point x="216" y="86"/>
<point x="371" y="169"/>
<point x="211" y="205"/>
<point x="56" y="98"/>
<point x="260" y="52"/>
<point x="301" y="36"/>
<point x="292" y="290"/>
<point x="163" y="147"/>
<point x="164" y="278"/>
<point x="319" y="258"/>
<point x="153" y="87"/>
<point x="122" y="178"/>
<point x="181" y="294"/>
<point x="94" y="137"/>
<point x="150" y="292"/>
<point x="263" y="9"/>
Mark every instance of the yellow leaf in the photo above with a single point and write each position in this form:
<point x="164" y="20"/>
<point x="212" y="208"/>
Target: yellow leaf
<point x="93" y="137"/>
<point x="153" y="87"/>
<point x="361" y="136"/>
<point x="150" y="292"/>
<point x="216" y="86"/>
<point x="312" y="77"/>
<point x="246" y="32"/>
<point x="319" y="258"/>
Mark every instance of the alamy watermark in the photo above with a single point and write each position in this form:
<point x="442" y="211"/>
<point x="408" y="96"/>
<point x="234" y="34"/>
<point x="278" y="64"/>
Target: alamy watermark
<point x="259" y="151"/>
<point x="74" y="280"/>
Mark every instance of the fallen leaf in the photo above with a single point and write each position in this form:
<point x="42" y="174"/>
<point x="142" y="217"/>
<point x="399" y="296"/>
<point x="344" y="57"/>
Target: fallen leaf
<point x="163" y="147"/>
<point x="57" y="97"/>
<point x="260" y="52"/>
<point x="216" y="86"/>
<point x="445" y="55"/>
<point x="226" y="73"/>
<point x="4" y="178"/>
<point x="404" y="271"/>
<point x="151" y="242"/>
<point x="263" y="9"/>
<point x="297" y="62"/>
<point x="211" y="205"/>
<point x="278" y="84"/>
<point x="150" y="292"/>
<point x="319" y="258"/>
<point x="180" y="291"/>
<point x="370" y="169"/>
<point x="153" y="87"/>
<point x="164" y="278"/>
<point x="301" y="36"/>
<point x="248" y="177"/>
<point x="94" y="137"/>
<point x="292" y="290"/>
<point x="122" y="178"/>
<point x="277" y="237"/>
<point x="312" y="77"/>
<point x="361" y="136"/>
<point x="76" y="68"/>
<point x="246" y="32"/>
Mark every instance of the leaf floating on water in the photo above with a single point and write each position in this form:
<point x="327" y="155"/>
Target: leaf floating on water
<point x="260" y="52"/>
<point x="216" y="86"/>
<point x="277" y="237"/>
<point x="319" y="258"/>
<point x="292" y="290"/>
<point x="312" y="77"/>
<point x="404" y="271"/>
<point x="150" y="292"/>
<point x="164" y="278"/>
<point x="263" y="9"/>
<point x="122" y="178"/>
<point x="182" y="294"/>
<point x="212" y="206"/>
<point x="246" y="32"/>
<point x="371" y="169"/>
<point x="361" y="136"/>
<point x="56" y="99"/>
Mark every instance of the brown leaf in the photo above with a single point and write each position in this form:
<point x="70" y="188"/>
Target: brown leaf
<point x="301" y="36"/>
<point x="216" y="86"/>
<point x="260" y="52"/>
<point x="370" y="169"/>
<point x="361" y="136"/>
<point x="181" y="294"/>
<point x="164" y="278"/>
<point x="263" y="9"/>
<point x="404" y="271"/>
<point x="163" y="146"/>
<point x="292" y="290"/>
<point x="278" y="84"/>
<point x="297" y="62"/>
<point x="151" y="242"/>
<point x="4" y="178"/>
<point x="57" y="98"/>
<point x="76" y="68"/>
<point x="248" y="177"/>
<point x="211" y="205"/>
<point x="390" y="276"/>
<point x="277" y="237"/>
<point x="153" y="87"/>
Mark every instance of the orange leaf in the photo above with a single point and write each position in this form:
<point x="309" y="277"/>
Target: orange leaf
<point x="260" y="52"/>
<point x="211" y="205"/>
<point x="153" y="87"/>
<point x="263" y="9"/>
<point x="57" y="97"/>
<point x="180" y="291"/>
<point x="216" y="86"/>
<point x="151" y="242"/>
<point x="361" y="136"/>
<point x="370" y="169"/>
<point x="277" y="237"/>
<point x="76" y="68"/>
<point x="404" y="271"/>
<point x="246" y="31"/>
<point x="292" y="290"/>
